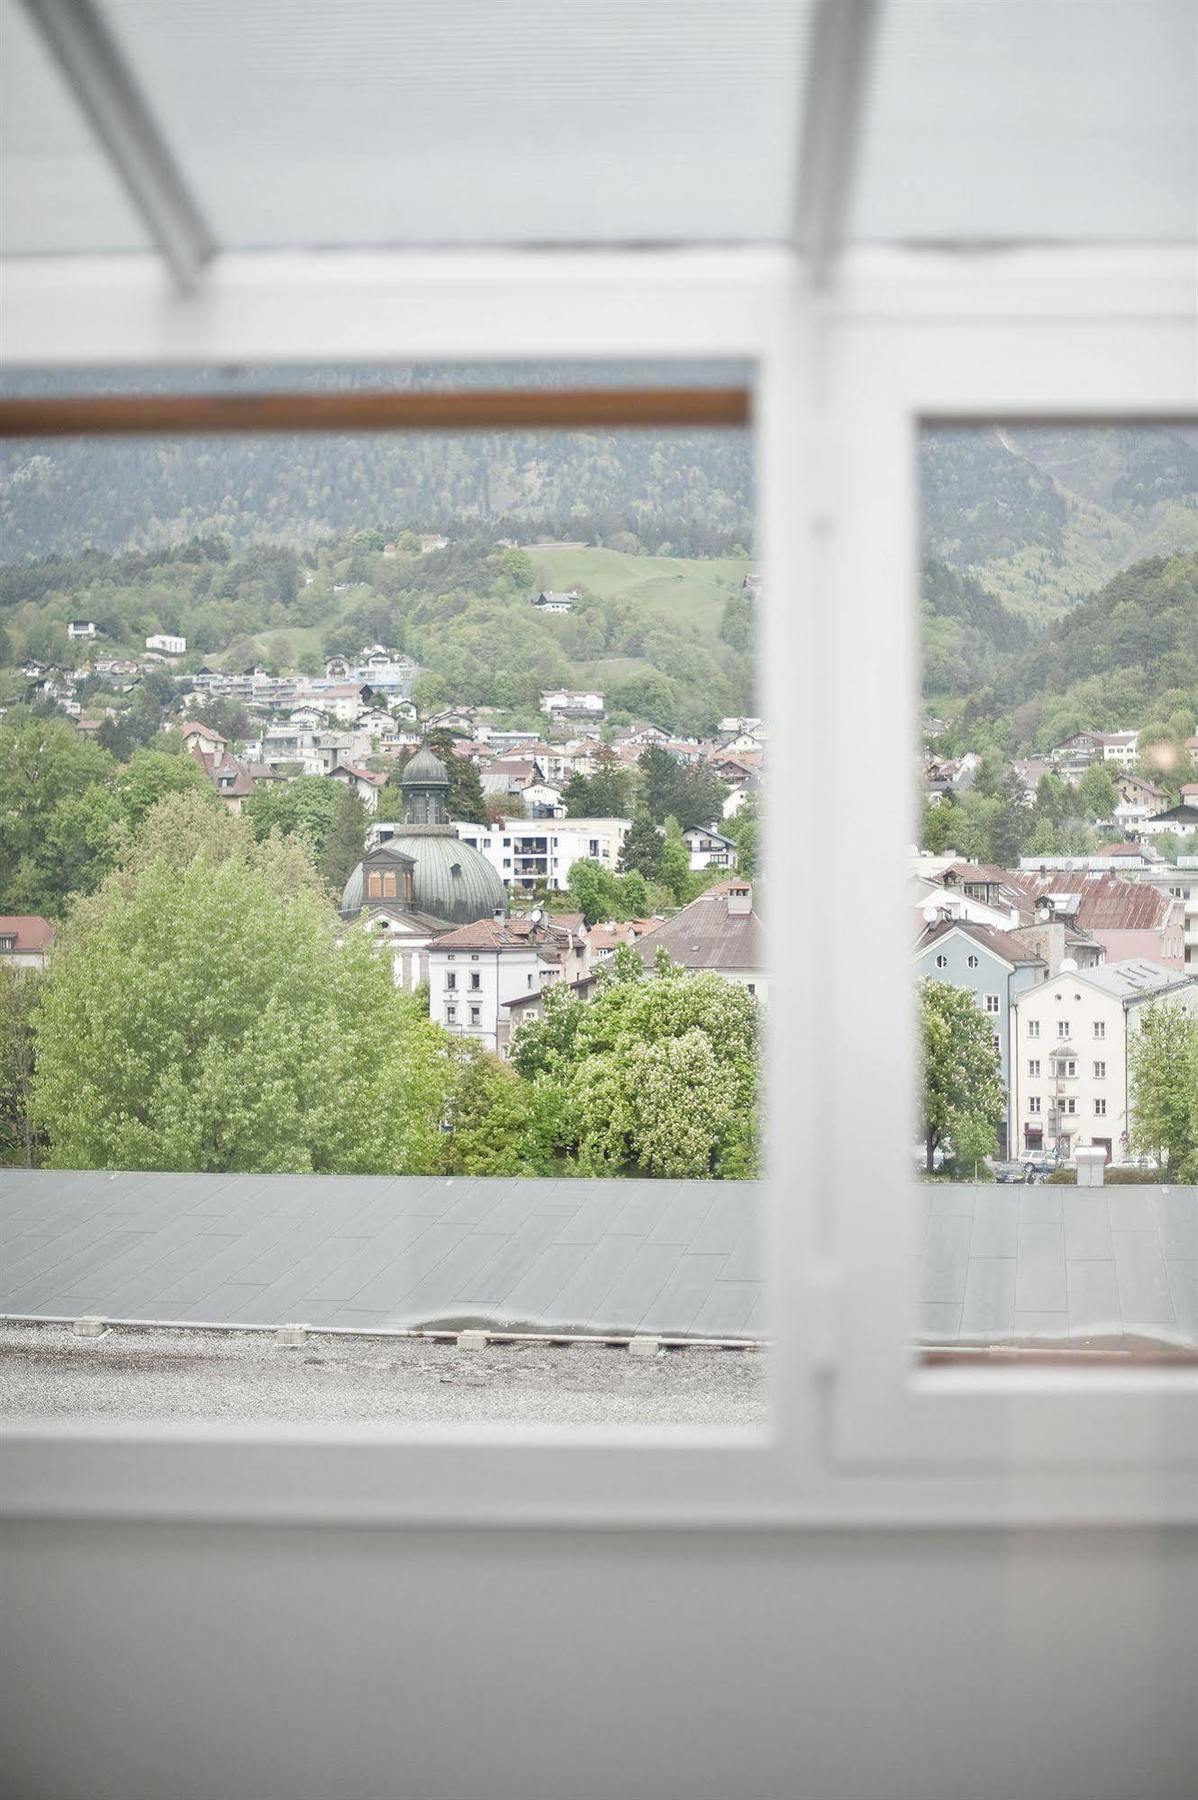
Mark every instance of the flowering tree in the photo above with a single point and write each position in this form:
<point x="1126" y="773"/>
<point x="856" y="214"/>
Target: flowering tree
<point x="657" y="1076"/>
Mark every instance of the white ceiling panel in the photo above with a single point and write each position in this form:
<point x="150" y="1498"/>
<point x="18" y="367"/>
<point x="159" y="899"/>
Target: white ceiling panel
<point x="1027" y="120"/>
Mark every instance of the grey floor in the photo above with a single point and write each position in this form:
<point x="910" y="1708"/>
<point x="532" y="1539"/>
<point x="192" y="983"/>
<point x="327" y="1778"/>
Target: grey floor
<point x="673" y="1257"/>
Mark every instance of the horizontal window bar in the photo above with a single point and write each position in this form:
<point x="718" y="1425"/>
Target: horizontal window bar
<point x="495" y="409"/>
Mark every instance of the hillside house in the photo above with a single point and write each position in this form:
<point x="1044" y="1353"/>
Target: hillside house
<point x="708" y="848"/>
<point x="550" y="601"/>
<point x="25" y="940"/>
<point x="168" y="643"/>
<point x="364" y="783"/>
<point x="569" y="703"/>
<point x="81" y="628"/>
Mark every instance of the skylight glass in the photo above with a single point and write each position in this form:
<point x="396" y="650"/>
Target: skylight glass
<point x="374" y="122"/>
<point x="1024" y="120"/>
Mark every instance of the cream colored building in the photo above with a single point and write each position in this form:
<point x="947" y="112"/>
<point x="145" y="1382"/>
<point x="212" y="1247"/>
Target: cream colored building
<point x="1069" y="1053"/>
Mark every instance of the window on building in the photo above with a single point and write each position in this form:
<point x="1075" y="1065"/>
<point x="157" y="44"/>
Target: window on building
<point x="374" y="885"/>
<point x="1062" y="1028"/>
<point x="389" y="885"/>
<point x="942" y="962"/>
<point x="993" y="1003"/>
<point x="1100" y="1028"/>
<point x="1099" y="1071"/>
<point x="475" y="1014"/>
<point x="1069" y="1104"/>
<point x="1100" y="1108"/>
<point x="476" y="979"/>
<point x="1033" y="1105"/>
<point x="1033" y="1067"/>
<point x="1033" y="1028"/>
<point x="451" y="1013"/>
<point x="972" y="961"/>
<point x="451" y="980"/>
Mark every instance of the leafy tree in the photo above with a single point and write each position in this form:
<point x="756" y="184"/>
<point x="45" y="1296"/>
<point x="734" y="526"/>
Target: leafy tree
<point x="495" y="1123"/>
<point x="151" y="774"/>
<point x="307" y="807"/>
<point x="203" y="1019"/>
<point x="673" y="869"/>
<point x="1163" y="1070"/>
<point x="20" y="1141"/>
<point x="936" y="832"/>
<point x="642" y="847"/>
<point x="744" y="828"/>
<point x="44" y="768"/>
<point x="692" y="794"/>
<point x="607" y="794"/>
<point x="963" y="1100"/>
<point x="345" y="841"/>
<point x="1097" y="793"/>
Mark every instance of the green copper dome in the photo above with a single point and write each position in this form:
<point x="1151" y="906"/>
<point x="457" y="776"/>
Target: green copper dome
<point x="424" y="770"/>
<point x="451" y="881"/>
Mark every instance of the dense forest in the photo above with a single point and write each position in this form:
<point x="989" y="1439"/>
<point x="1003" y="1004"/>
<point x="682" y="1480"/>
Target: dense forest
<point x="1127" y="656"/>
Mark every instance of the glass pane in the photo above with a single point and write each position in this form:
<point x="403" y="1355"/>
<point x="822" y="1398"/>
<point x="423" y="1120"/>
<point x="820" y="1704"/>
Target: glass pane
<point x="1009" y="120"/>
<point x="57" y="191"/>
<point x="378" y="839"/>
<point x="372" y="122"/>
<point x="1055" y="888"/>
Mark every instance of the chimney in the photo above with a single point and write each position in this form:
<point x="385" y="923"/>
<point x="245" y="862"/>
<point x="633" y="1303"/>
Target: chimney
<point x="740" y="900"/>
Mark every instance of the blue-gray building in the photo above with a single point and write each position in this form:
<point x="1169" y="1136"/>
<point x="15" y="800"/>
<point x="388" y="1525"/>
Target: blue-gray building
<point x="995" y="967"/>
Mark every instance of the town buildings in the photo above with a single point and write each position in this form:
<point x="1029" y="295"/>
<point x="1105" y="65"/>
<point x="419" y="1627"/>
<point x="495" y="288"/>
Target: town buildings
<point x="168" y="643"/>
<point x="531" y="855"/>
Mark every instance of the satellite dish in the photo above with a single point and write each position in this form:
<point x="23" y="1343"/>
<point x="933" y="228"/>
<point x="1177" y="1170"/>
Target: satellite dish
<point x="1068" y="966"/>
<point x="931" y="912"/>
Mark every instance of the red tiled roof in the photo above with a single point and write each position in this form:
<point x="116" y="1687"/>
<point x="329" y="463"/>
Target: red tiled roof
<point x="483" y="934"/>
<point x="30" y="930"/>
<point x="1107" y="902"/>
<point x="193" y="728"/>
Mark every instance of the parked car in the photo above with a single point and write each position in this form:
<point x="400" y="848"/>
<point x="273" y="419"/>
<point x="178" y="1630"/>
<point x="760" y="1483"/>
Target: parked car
<point x="1043" y="1162"/>
<point x="1009" y="1171"/>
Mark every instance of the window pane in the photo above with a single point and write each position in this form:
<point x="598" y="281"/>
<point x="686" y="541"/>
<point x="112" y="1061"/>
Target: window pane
<point x="403" y="814"/>
<point x="1056" y="887"/>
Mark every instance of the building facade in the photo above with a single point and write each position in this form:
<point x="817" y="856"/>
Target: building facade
<point x="1070" y="1053"/>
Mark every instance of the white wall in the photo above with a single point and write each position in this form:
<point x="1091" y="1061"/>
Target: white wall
<point x="255" y="1663"/>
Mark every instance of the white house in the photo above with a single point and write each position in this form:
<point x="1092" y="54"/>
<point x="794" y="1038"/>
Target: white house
<point x="550" y="602"/>
<point x="81" y="628"/>
<point x="167" y="643"/>
<point x="473" y="972"/>
<point x="1120" y="747"/>
<point x="528" y="854"/>
<point x="1069" y="1052"/>
<point x="709" y="848"/>
<point x="569" y="703"/>
<point x="365" y="783"/>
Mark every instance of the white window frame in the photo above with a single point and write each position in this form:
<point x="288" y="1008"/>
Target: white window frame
<point x="859" y="1432"/>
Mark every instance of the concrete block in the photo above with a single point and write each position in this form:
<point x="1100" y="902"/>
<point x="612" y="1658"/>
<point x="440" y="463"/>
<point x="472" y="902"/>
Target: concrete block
<point x="1091" y="1165"/>
<point x="644" y="1346"/>
<point x="91" y="1326"/>
<point x="291" y="1337"/>
<point x="472" y="1340"/>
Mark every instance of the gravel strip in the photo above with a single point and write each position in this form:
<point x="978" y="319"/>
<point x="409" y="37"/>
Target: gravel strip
<point x="46" y="1372"/>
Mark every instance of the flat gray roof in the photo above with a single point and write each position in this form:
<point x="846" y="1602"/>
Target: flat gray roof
<point x="380" y="1252"/>
<point x="679" y="1258"/>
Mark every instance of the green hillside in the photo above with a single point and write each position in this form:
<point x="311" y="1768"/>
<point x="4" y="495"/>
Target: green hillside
<point x="677" y="590"/>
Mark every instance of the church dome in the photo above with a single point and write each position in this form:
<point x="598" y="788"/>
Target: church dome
<point x="424" y="770"/>
<point x="451" y="880"/>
